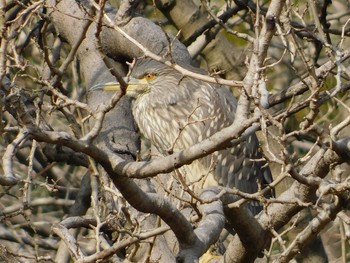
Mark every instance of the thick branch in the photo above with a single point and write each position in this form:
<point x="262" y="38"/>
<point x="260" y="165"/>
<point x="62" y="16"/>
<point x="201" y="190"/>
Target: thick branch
<point x="208" y="230"/>
<point x="218" y="141"/>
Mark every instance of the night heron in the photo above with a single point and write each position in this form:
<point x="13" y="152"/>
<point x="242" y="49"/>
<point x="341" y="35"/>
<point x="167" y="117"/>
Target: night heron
<point x="175" y="112"/>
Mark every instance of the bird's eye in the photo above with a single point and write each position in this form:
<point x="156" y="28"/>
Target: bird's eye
<point x="149" y="76"/>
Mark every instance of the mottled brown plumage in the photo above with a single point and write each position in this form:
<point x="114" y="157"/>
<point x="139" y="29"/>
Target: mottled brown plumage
<point x="175" y="112"/>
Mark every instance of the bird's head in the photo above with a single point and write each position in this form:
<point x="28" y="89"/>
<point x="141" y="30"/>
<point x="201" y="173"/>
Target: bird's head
<point x="147" y="77"/>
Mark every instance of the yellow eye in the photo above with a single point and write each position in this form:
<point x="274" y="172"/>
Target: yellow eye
<point x="149" y="76"/>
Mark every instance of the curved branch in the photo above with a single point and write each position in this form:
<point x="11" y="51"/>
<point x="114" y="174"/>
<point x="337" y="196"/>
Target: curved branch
<point x="144" y="202"/>
<point x="208" y="230"/>
<point x="9" y="178"/>
<point x="221" y="140"/>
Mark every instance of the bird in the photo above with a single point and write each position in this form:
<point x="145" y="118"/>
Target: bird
<point x="174" y="112"/>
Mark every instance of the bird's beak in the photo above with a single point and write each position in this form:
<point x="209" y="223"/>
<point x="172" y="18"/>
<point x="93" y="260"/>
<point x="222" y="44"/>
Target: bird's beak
<point x="135" y="86"/>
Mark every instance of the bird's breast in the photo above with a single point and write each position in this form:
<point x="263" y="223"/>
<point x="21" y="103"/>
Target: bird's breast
<point x="171" y="126"/>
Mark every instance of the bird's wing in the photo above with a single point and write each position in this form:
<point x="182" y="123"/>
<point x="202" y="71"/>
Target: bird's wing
<point x="240" y="166"/>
